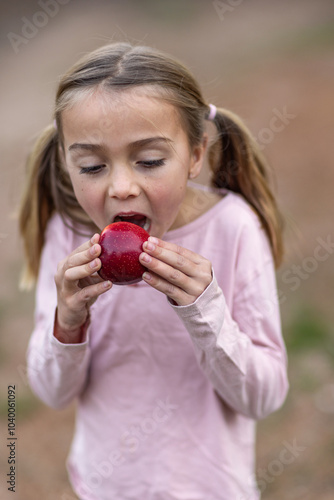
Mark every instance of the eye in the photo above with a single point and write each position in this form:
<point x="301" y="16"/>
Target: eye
<point x="152" y="163"/>
<point x="94" y="169"/>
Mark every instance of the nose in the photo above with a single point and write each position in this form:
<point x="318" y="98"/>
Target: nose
<point x="123" y="183"/>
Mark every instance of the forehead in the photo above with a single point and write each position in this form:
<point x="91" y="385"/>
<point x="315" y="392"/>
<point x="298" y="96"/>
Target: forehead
<point x="132" y="113"/>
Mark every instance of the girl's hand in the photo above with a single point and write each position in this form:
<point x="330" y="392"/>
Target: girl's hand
<point x="78" y="286"/>
<point x="180" y="274"/>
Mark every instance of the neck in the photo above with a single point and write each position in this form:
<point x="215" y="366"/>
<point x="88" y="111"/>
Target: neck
<point x="196" y="202"/>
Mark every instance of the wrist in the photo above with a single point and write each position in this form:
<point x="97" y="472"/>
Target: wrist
<point x="70" y="334"/>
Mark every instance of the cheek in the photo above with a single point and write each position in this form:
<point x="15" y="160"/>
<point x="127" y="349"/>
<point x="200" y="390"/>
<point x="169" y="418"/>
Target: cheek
<point x="79" y="190"/>
<point x="87" y="196"/>
<point x="169" y="196"/>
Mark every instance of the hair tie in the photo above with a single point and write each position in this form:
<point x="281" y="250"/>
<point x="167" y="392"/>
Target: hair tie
<point x="212" y="113"/>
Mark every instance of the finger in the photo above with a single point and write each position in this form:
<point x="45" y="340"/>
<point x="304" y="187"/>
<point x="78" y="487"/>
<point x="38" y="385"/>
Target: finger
<point x="172" y="291"/>
<point x="177" y="257"/>
<point x="74" y="274"/>
<point x="174" y="256"/>
<point x="90" y="280"/>
<point x="186" y="253"/>
<point x="83" y="257"/>
<point x="88" y="295"/>
<point x="87" y="244"/>
<point x="173" y="278"/>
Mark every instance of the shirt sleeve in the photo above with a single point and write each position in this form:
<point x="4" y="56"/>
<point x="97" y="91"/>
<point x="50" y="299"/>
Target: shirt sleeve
<point x="240" y="347"/>
<point x="56" y="372"/>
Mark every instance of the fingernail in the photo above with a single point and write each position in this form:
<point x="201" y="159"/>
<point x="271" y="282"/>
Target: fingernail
<point x="93" y="250"/>
<point x="93" y="263"/>
<point x="146" y="258"/>
<point x="147" y="277"/>
<point x="107" y="284"/>
<point x="150" y="246"/>
<point x="154" y="240"/>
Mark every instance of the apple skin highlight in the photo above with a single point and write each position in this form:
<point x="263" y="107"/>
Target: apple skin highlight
<point x="121" y="244"/>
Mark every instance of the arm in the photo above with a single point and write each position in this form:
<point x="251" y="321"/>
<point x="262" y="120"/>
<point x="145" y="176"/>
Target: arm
<point x="56" y="371"/>
<point x="58" y="354"/>
<point x="244" y="356"/>
<point x="239" y="346"/>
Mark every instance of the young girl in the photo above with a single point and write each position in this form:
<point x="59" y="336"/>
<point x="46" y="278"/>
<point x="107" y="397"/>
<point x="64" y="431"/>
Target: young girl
<point x="169" y="374"/>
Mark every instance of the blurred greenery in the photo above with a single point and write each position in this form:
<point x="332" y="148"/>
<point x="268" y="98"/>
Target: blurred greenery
<point x="170" y="12"/>
<point x="25" y="406"/>
<point x="309" y="330"/>
<point x="292" y="43"/>
<point x="311" y="38"/>
<point x="307" y="382"/>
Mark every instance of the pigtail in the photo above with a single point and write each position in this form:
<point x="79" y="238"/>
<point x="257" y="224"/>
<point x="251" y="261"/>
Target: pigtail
<point x="238" y="164"/>
<point x="48" y="189"/>
<point x="37" y="203"/>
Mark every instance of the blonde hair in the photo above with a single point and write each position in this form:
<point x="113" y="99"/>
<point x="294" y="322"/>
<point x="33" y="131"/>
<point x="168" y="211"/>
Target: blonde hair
<point x="235" y="159"/>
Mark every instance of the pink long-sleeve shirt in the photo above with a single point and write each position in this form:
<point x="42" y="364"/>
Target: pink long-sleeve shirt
<point x="167" y="396"/>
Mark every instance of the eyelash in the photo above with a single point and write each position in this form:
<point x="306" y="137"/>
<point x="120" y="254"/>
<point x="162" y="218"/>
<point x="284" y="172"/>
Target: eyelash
<point x="94" y="169"/>
<point x="152" y="163"/>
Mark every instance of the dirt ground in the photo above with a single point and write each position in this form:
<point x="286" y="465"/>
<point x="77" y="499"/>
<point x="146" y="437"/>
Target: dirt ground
<point x="273" y="64"/>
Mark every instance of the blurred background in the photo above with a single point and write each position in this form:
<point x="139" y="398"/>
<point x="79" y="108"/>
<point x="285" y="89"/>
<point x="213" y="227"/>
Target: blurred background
<point x="273" y="64"/>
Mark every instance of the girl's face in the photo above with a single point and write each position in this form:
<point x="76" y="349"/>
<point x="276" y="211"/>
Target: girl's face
<point x="128" y="158"/>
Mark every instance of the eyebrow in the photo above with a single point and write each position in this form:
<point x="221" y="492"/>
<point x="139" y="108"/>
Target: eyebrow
<point x="88" y="147"/>
<point x="136" y="144"/>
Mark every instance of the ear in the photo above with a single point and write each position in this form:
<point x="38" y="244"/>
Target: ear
<point x="198" y="154"/>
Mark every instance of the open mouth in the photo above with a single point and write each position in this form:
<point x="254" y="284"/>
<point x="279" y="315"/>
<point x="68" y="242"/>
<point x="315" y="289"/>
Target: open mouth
<point x="138" y="219"/>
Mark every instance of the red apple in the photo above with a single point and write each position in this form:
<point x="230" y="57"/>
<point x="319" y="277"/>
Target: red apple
<point x="121" y="244"/>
